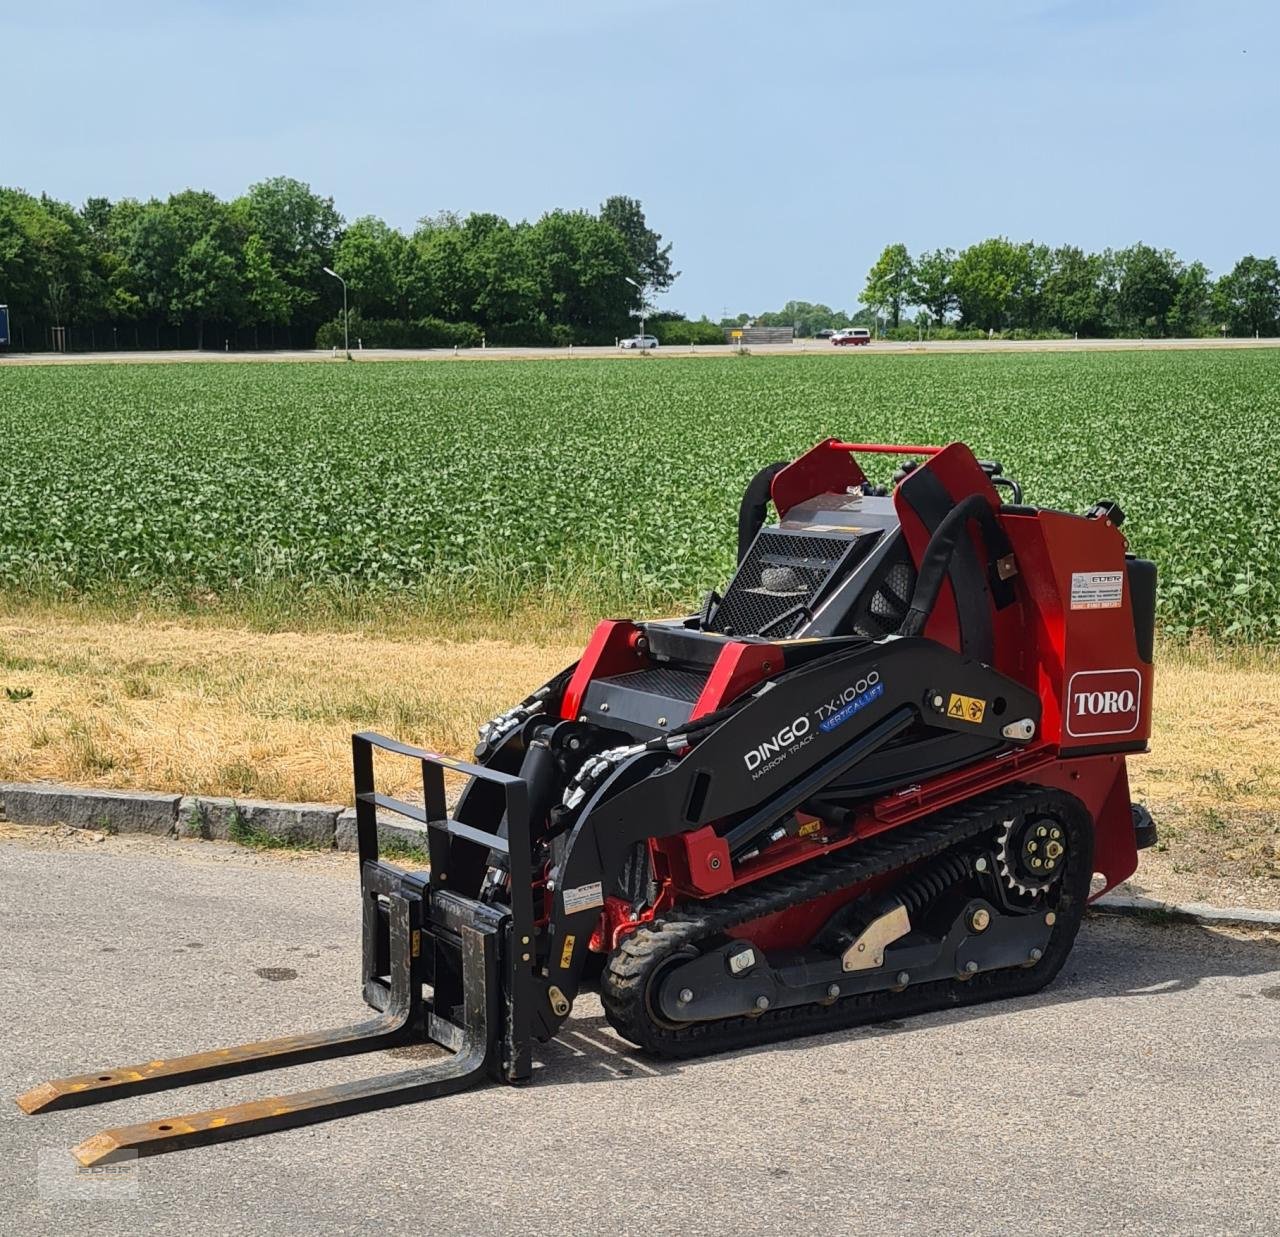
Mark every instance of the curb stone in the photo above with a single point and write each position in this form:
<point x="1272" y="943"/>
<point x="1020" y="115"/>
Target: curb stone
<point x="323" y="825"/>
<point x="213" y="816"/>
<point x="108" y="811"/>
<point x="389" y="829"/>
<point x="331" y="826"/>
<point x="1191" y="912"/>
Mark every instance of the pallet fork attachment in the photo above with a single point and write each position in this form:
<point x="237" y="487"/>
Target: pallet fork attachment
<point x="408" y="927"/>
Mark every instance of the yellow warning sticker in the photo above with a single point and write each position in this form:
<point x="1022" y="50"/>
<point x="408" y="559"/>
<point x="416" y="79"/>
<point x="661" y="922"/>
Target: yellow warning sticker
<point x="566" y="954"/>
<point x="966" y="708"/>
<point x="809" y="826"/>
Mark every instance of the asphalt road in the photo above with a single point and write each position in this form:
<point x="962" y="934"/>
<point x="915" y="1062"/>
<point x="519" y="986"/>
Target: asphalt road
<point x="1138" y="1094"/>
<point x="881" y="347"/>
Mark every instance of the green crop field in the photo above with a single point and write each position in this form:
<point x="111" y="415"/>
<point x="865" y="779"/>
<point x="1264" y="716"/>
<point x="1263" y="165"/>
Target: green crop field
<point x="596" y="484"/>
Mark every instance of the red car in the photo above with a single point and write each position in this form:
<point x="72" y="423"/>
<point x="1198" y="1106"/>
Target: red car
<point x="852" y="335"/>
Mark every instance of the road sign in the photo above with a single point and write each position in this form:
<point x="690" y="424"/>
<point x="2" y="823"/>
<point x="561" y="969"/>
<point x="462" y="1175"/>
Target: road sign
<point x="735" y="334"/>
<point x="4" y="325"/>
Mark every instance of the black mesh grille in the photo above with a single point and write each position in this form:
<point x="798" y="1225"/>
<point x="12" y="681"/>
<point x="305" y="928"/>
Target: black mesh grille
<point x="890" y="598"/>
<point x="781" y="573"/>
<point x="672" y="684"/>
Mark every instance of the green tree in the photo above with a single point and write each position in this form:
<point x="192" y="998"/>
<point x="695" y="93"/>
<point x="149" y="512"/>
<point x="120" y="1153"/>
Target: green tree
<point x="932" y="283"/>
<point x="481" y="270"/>
<point x="807" y="319"/>
<point x="153" y="248"/>
<point x="266" y="295"/>
<point x="300" y="229"/>
<point x="1249" y="297"/>
<point x="1191" y="313"/>
<point x="650" y="258"/>
<point x="890" y="282"/>
<point x="988" y="278"/>
<point x="1073" y="298"/>
<point x="208" y="284"/>
<point x="45" y="261"/>
<point x="502" y="277"/>
<point x="110" y="294"/>
<point x="184" y="259"/>
<point x="1147" y="285"/>
<point x="24" y="256"/>
<point x="1027" y="308"/>
<point x="19" y="263"/>
<point x="434" y="275"/>
<point x="582" y="266"/>
<point x="370" y="256"/>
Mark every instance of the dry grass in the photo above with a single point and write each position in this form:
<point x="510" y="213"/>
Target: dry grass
<point x="1216" y="730"/>
<point x="166" y="706"/>
<point x="195" y="706"/>
<point x="1213" y="779"/>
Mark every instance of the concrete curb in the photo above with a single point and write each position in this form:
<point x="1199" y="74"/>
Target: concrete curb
<point x="320" y="826"/>
<point x="329" y="826"/>
<point x="109" y="811"/>
<point x="1189" y="912"/>
<point x="303" y="824"/>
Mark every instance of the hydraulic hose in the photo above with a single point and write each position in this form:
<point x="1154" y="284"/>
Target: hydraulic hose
<point x="941" y="549"/>
<point x="755" y="506"/>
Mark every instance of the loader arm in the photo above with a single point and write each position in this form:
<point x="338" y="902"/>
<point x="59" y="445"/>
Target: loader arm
<point x="838" y="711"/>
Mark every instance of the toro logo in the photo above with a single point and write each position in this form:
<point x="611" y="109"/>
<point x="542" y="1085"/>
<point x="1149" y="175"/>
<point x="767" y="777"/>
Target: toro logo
<point x="1103" y="702"/>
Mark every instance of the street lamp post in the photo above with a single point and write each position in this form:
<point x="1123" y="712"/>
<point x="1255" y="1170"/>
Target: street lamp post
<point x="643" y="306"/>
<point x="346" y="338"/>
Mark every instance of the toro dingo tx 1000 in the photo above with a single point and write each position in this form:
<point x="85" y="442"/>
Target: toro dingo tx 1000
<point x="876" y="776"/>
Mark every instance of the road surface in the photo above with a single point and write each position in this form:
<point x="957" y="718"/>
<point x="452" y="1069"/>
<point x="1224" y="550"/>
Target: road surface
<point x="1138" y="1095"/>
<point x="800" y="347"/>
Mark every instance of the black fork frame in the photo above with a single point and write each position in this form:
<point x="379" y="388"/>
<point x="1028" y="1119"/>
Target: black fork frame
<point x="452" y="845"/>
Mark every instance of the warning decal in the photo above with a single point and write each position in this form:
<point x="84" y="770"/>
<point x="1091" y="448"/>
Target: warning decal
<point x="1097" y="590"/>
<point x="966" y="708"/>
<point x="566" y="954"/>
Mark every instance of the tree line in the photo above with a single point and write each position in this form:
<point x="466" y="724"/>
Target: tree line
<point x="1024" y="287"/>
<point x="194" y="270"/>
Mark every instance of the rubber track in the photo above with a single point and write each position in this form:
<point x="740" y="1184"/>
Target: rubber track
<point x="626" y="977"/>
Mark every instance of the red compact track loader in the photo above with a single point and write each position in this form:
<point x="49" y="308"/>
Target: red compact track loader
<point x="881" y="774"/>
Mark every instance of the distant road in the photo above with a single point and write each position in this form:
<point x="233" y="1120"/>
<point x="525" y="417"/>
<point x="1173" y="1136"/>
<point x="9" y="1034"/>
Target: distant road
<point x="803" y="346"/>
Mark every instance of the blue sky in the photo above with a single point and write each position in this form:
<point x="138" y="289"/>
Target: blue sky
<point x="779" y="146"/>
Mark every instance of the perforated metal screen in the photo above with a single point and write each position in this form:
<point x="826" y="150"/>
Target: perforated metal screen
<point x="782" y="574"/>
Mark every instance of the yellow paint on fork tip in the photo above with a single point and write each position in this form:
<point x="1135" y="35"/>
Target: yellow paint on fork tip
<point x="100" y="1149"/>
<point x="38" y="1097"/>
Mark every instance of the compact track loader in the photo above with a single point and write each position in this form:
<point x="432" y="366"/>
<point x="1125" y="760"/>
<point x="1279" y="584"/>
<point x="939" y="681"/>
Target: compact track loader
<point x="881" y="774"/>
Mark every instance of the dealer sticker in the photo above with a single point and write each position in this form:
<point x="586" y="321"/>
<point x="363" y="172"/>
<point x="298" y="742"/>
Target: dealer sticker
<point x="583" y="898"/>
<point x="1097" y="590"/>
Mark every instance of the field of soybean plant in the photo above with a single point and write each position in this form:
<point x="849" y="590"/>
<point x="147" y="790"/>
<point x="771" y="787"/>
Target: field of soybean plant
<point x="304" y="489"/>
